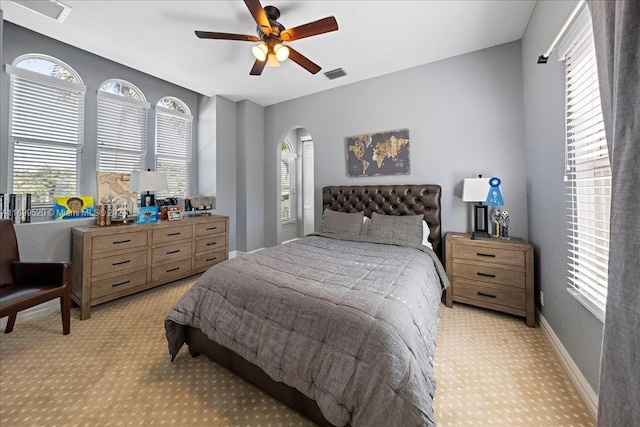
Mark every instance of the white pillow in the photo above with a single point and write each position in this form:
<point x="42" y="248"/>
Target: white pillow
<point x="425" y="235"/>
<point x="365" y="225"/>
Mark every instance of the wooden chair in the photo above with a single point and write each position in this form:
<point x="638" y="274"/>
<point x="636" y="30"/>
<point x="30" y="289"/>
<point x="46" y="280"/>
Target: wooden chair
<point x="27" y="284"/>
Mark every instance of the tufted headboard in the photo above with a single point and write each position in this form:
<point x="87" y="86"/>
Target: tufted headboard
<point x="389" y="200"/>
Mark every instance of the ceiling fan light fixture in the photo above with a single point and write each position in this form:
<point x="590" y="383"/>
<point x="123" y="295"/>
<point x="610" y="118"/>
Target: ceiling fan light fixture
<point x="272" y="61"/>
<point x="282" y="52"/>
<point x="260" y="51"/>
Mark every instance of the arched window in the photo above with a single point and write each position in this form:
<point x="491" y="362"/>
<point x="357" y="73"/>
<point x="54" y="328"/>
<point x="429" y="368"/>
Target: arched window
<point x="287" y="182"/>
<point x="122" y="127"/>
<point x="46" y="128"/>
<point x="174" y="143"/>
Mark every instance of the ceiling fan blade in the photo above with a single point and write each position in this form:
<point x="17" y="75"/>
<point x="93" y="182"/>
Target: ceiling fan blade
<point x="258" y="66"/>
<point x="320" y="26"/>
<point x="226" y="36"/>
<point x="303" y="61"/>
<point x="258" y="15"/>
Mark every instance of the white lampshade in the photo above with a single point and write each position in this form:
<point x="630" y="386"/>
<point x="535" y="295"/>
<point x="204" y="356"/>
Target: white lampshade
<point x="260" y="51"/>
<point x="148" y="181"/>
<point x="282" y="52"/>
<point x="475" y="189"/>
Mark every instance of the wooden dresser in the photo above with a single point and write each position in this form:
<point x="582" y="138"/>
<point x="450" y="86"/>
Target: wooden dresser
<point x="491" y="273"/>
<point x="119" y="260"/>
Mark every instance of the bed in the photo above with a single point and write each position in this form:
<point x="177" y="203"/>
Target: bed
<point x="341" y="326"/>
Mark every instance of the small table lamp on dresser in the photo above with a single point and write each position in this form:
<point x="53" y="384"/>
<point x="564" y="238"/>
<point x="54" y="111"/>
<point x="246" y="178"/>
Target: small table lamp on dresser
<point x="477" y="190"/>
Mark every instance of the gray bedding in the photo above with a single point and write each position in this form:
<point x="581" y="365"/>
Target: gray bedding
<point x="350" y="323"/>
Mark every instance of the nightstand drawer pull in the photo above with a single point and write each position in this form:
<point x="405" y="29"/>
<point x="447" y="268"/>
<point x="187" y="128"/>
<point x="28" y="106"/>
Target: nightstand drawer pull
<point x="482" y="294"/>
<point x="121" y="262"/>
<point x="487" y="255"/>
<point x="121" y="283"/>
<point x="485" y="274"/>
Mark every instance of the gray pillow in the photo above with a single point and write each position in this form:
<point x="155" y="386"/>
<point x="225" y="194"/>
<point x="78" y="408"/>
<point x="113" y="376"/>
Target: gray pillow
<point x="341" y="222"/>
<point x="405" y="228"/>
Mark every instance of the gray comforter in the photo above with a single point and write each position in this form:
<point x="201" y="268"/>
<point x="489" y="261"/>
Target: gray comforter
<point x="351" y="324"/>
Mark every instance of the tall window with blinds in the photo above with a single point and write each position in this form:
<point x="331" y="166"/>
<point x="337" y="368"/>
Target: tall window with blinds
<point x="287" y="182"/>
<point x="122" y="127"/>
<point x="46" y="128"/>
<point x="174" y="143"/>
<point x="588" y="172"/>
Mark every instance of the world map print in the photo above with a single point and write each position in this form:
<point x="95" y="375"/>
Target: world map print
<point x="382" y="153"/>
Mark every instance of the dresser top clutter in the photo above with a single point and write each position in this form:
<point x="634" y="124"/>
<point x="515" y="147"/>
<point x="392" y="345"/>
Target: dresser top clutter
<point x="118" y="260"/>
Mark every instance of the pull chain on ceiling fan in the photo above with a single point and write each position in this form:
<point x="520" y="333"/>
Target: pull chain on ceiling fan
<point x="271" y="34"/>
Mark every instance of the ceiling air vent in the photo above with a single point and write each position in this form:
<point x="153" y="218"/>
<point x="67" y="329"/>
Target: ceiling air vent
<point x="335" y="74"/>
<point x="51" y="8"/>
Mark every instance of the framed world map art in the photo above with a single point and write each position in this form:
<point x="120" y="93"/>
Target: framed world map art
<point x="382" y="153"/>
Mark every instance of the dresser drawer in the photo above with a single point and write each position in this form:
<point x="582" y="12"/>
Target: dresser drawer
<point x="163" y="271"/>
<point x="123" y="282"/>
<point x="172" y="234"/>
<point x="211" y="228"/>
<point x="119" y="242"/>
<point x="210" y="243"/>
<point x="488" y="293"/>
<point x="173" y="251"/>
<point x="485" y="272"/>
<point x="489" y="254"/>
<point x="113" y="263"/>
<point x="209" y="259"/>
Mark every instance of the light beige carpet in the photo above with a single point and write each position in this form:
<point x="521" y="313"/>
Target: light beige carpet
<point x="113" y="369"/>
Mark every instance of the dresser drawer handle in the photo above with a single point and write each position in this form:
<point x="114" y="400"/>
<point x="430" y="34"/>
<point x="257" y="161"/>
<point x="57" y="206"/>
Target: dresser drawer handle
<point x="482" y="294"/>
<point x="173" y="252"/>
<point x="121" y="241"/>
<point x="121" y="283"/>
<point x="173" y="234"/>
<point x="212" y="259"/>
<point x="173" y="269"/>
<point x="211" y="244"/>
<point x="488" y="255"/>
<point x="485" y="274"/>
<point x="212" y="228"/>
<point x="121" y="262"/>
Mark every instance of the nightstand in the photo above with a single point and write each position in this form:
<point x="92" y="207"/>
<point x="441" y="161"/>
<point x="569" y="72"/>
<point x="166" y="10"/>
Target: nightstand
<point x="491" y="273"/>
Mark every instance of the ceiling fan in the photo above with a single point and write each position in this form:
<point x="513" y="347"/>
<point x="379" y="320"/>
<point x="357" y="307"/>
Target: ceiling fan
<point x="271" y="35"/>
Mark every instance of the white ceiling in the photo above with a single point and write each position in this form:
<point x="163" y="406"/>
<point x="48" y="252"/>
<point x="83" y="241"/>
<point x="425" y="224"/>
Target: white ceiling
<point x="374" y="38"/>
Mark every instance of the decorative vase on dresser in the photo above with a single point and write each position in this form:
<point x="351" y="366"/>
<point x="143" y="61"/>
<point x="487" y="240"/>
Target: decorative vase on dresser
<point x="119" y="260"/>
<point x="492" y="273"/>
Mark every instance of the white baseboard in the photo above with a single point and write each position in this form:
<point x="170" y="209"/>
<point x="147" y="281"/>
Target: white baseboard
<point x="36" y="312"/>
<point x="579" y="381"/>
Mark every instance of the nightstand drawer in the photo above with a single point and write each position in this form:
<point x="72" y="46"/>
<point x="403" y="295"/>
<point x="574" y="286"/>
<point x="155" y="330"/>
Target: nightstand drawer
<point x="484" y="272"/>
<point x="489" y="254"/>
<point x="488" y="293"/>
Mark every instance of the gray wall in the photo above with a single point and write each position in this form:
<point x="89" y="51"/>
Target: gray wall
<point x="93" y="70"/>
<point x="579" y="331"/>
<point x="464" y="116"/>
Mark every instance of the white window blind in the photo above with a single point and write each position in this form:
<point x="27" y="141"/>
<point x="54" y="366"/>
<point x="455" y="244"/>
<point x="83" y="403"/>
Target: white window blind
<point x="46" y="130"/>
<point x="287" y="183"/>
<point x="174" y="143"/>
<point x="588" y="172"/>
<point x="122" y="132"/>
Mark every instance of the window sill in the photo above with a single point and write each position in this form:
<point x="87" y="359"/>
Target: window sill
<point x="289" y="221"/>
<point x="595" y="310"/>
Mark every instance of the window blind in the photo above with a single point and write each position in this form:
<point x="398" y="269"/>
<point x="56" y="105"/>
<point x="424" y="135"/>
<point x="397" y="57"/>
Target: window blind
<point x="122" y="133"/>
<point x="46" y="134"/>
<point x="588" y="172"/>
<point x="174" y="143"/>
<point x="287" y="184"/>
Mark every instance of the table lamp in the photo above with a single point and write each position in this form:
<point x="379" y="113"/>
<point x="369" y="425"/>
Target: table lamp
<point x="476" y="190"/>
<point x="142" y="181"/>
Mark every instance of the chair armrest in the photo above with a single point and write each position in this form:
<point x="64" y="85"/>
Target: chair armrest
<point x="42" y="273"/>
